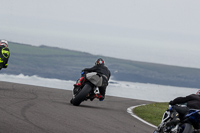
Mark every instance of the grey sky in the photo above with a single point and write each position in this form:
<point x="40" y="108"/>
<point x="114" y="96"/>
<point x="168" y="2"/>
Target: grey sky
<point x="157" y="31"/>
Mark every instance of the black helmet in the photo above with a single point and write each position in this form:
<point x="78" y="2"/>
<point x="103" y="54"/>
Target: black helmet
<point x="100" y="62"/>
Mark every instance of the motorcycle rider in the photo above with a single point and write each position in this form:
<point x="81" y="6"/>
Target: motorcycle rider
<point x="178" y="112"/>
<point x="102" y="71"/>
<point x="4" y="54"/>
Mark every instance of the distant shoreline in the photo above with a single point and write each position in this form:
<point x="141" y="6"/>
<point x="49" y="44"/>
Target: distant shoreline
<point x="133" y="90"/>
<point x="63" y="64"/>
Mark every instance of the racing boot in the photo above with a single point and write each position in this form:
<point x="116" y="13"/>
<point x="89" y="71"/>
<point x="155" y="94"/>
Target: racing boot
<point x="102" y="91"/>
<point x="100" y="97"/>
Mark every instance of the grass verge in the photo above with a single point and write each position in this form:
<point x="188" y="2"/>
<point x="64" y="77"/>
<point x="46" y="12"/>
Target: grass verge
<point x="151" y="113"/>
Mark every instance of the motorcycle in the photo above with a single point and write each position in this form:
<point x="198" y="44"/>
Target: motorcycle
<point x="189" y="124"/>
<point x="88" y="90"/>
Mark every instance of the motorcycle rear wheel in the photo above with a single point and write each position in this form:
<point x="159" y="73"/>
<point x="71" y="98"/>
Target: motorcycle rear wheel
<point x="81" y="95"/>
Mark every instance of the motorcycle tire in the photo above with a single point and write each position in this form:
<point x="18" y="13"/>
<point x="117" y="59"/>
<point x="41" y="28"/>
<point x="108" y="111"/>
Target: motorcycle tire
<point x="81" y="95"/>
<point x="187" y="128"/>
<point x="155" y="131"/>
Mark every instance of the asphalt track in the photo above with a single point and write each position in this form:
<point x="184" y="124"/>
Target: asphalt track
<point x="33" y="109"/>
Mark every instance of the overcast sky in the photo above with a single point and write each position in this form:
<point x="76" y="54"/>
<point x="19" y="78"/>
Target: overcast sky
<point x="159" y="31"/>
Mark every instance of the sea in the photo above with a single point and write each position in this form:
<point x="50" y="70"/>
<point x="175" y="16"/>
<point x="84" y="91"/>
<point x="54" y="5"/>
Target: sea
<point x="131" y="90"/>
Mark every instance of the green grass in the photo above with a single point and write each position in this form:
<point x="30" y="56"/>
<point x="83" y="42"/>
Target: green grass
<point x="151" y="113"/>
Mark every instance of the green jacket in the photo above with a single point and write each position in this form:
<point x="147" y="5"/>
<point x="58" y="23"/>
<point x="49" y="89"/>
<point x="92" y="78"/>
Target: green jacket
<point x="4" y="56"/>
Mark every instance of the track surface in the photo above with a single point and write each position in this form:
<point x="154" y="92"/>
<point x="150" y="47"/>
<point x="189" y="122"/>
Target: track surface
<point x="33" y="109"/>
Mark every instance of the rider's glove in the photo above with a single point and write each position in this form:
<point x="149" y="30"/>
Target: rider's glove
<point x="82" y="72"/>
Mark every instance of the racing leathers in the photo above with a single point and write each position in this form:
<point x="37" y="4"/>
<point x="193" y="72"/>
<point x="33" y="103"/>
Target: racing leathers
<point x="102" y="71"/>
<point x="4" y="56"/>
<point x="193" y="101"/>
<point x="178" y="112"/>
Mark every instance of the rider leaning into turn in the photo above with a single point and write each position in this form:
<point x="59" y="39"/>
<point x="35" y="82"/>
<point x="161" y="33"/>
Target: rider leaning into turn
<point x="178" y="112"/>
<point x="102" y="71"/>
<point x="4" y="54"/>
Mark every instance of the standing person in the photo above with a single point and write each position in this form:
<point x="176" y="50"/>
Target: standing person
<point x="102" y="71"/>
<point x="4" y="54"/>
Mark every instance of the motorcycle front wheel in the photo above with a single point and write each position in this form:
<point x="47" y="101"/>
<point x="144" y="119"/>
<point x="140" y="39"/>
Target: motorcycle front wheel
<point x="81" y="95"/>
<point x="186" y="128"/>
<point x="155" y="131"/>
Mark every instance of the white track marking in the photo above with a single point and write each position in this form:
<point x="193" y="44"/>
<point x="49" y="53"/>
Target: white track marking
<point x="129" y="110"/>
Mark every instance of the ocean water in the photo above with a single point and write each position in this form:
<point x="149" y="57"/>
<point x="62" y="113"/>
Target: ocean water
<point x="133" y="90"/>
